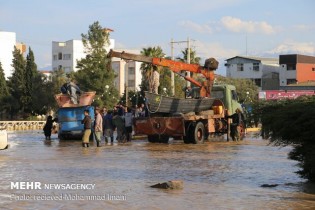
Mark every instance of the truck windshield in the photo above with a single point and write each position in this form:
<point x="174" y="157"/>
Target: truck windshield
<point x="217" y="94"/>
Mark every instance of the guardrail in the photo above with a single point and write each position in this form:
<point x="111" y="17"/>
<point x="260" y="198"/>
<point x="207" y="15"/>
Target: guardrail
<point x="22" y="125"/>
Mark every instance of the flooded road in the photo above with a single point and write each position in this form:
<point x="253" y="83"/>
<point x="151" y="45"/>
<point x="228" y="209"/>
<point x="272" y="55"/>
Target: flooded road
<point x="216" y="175"/>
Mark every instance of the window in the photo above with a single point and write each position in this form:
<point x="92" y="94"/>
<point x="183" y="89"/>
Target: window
<point x="240" y="67"/>
<point x="131" y="70"/>
<point x="66" y="56"/>
<point x="217" y="94"/>
<point x="291" y="81"/>
<point x="313" y="69"/>
<point x="131" y="83"/>
<point x="234" y="95"/>
<point x="59" y="56"/>
<point x="256" y="66"/>
<point x="291" y="66"/>
<point x="55" y="57"/>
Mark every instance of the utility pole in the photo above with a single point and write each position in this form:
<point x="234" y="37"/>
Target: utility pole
<point x="188" y="61"/>
<point x="172" y="73"/>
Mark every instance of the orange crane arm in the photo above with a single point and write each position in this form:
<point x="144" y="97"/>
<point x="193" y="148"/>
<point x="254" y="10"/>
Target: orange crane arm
<point x="174" y="66"/>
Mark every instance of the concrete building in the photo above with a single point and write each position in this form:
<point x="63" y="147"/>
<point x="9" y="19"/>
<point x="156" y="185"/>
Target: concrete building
<point x="296" y="69"/>
<point x="128" y="73"/>
<point x="66" y="54"/>
<point x="7" y="43"/>
<point x="263" y="71"/>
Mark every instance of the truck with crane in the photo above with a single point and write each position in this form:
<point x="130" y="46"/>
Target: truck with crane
<point x="192" y="119"/>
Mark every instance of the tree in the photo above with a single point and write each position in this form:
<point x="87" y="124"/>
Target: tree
<point x="17" y="81"/>
<point x="42" y="95"/>
<point x="4" y="91"/>
<point x="147" y="68"/>
<point x="30" y="77"/>
<point x="243" y="86"/>
<point x="193" y="58"/>
<point x="292" y="122"/>
<point x="95" y="71"/>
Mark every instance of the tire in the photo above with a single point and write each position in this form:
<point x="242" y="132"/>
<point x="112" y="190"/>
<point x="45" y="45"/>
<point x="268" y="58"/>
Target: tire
<point x="189" y="134"/>
<point x="152" y="138"/>
<point x="199" y="134"/>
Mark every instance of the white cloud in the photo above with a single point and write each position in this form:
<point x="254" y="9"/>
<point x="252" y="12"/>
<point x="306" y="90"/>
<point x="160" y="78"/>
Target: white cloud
<point x="294" y="47"/>
<point x="196" y="27"/>
<point x="238" y="25"/>
<point x="303" y="27"/>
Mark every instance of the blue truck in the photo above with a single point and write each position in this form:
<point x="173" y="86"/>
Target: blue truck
<point x="69" y="120"/>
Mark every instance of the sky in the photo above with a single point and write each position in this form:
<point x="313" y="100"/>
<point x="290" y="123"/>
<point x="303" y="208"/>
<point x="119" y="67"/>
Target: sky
<point x="218" y="28"/>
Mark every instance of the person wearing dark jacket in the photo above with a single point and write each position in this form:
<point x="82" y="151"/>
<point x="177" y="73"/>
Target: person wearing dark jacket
<point x="87" y="121"/>
<point x="108" y="127"/>
<point x="48" y="127"/>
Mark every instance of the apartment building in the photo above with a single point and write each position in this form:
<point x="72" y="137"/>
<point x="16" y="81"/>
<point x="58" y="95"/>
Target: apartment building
<point x="263" y="71"/>
<point x="66" y="54"/>
<point x="128" y="72"/>
<point x="295" y="68"/>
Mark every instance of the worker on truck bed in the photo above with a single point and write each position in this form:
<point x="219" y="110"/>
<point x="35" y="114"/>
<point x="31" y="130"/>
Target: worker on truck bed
<point x="73" y="90"/>
<point x="155" y="82"/>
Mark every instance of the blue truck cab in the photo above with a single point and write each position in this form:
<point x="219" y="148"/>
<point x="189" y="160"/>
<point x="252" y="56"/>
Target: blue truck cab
<point x="69" y="120"/>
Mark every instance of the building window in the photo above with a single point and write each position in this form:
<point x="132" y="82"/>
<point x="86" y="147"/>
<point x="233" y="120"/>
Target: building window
<point x="131" y="83"/>
<point x="67" y="69"/>
<point x="256" y="66"/>
<point x="257" y="82"/>
<point x="66" y="56"/>
<point x="291" y="81"/>
<point x="291" y="66"/>
<point x="131" y="70"/>
<point x="59" y="56"/>
<point x="240" y="67"/>
<point x="313" y="69"/>
<point x="55" y="57"/>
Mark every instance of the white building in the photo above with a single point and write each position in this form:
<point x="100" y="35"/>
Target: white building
<point x="66" y="54"/>
<point x="128" y="72"/>
<point x="263" y="71"/>
<point x="7" y="43"/>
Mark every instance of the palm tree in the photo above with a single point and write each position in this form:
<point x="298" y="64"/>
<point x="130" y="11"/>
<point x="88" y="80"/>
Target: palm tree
<point x="193" y="58"/>
<point x="147" y="68"/>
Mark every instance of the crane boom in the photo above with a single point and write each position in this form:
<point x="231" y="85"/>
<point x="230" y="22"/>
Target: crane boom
<point x="207" y="71"/>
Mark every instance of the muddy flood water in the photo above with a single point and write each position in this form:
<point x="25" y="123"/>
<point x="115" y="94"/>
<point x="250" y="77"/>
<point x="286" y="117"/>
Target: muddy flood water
<point x="39" y="174"/>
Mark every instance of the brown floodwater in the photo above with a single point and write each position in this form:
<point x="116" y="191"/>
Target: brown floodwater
<point x="216" y="175"/>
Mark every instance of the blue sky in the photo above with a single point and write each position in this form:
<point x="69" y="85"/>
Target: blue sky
<point x="218" y="28"/>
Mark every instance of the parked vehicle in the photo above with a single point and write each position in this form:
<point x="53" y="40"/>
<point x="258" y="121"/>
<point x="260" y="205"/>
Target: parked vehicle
<point x="189" y="118"/>
<point x="69" y="121"/>
<point x="70" y="115"/>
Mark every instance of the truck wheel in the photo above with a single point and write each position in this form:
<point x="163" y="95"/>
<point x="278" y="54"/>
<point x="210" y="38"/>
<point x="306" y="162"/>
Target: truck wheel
<point x="189" y="134"/>
<point x="163" y="139"/>
<point x="199" y="133"/>
<point x="158" y="138"/>
<point x="153" y="138"/>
